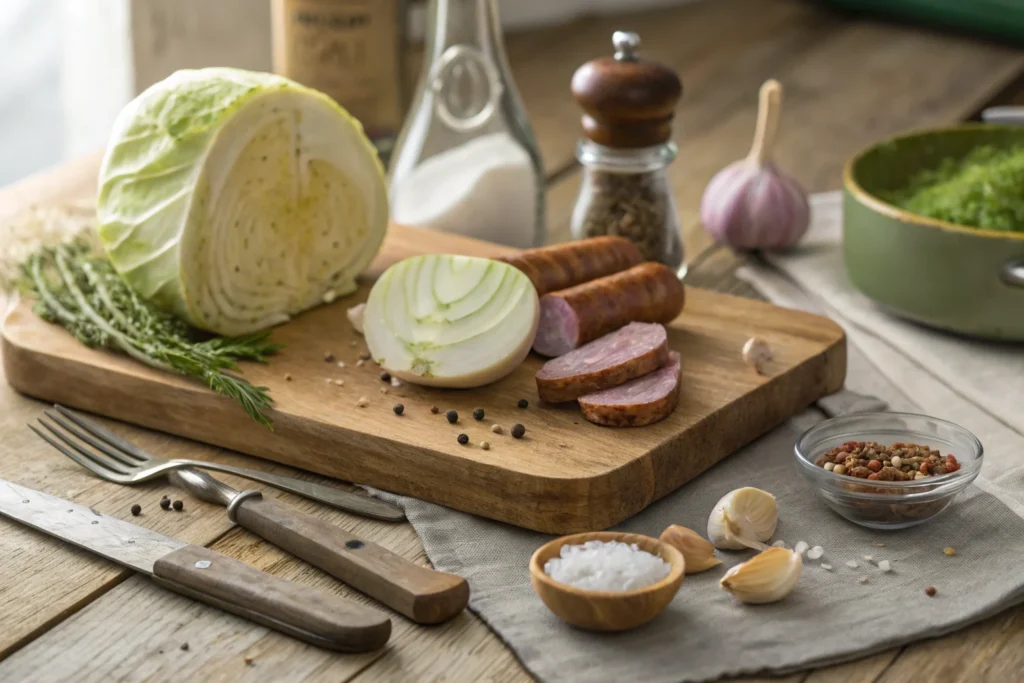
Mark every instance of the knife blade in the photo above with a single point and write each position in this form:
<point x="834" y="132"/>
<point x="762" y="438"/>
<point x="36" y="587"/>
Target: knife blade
<point x="424" y="595"/>
<point x="311" y="615"/>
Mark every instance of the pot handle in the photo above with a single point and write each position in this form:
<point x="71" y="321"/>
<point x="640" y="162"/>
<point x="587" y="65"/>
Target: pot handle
<point x="1013" y="274"/>
<point x="1009" y="116"/>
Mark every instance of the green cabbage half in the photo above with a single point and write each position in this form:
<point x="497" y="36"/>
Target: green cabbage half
<point x="236" y="199"/>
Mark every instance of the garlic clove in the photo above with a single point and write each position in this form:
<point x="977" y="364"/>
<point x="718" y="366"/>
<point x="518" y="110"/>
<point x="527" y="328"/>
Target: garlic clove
<point x="744" y="518"/>
<point x="757" y="354"/>
<point x="767" y="577"/>
<point x="355" y="316"/>
<point x="697" y="551"/>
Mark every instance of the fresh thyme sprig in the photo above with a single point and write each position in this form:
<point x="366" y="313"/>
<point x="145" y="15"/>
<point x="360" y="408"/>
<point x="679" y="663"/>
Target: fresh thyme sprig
<point x="81" y="292"/>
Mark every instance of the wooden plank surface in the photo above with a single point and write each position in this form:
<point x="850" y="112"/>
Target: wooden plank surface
<point x="105" y="620"/>
<point x="565" y="476"/>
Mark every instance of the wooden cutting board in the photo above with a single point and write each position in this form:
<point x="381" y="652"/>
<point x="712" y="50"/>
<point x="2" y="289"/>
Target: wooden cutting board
<point x="566" y="475"/>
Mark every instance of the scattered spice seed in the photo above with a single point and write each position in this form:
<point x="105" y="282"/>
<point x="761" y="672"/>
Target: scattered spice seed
<point x="339" y="382"/>
<point x="496" y="429"/>
<point x="248" y="660"/>
<point x="184" y="647"/>
<point x="452" y="417"/>
<point x="486" y="445"/>
<point x="878" y="545"/>
<point x="852" y="564"/>
<point x="518" y="430"/>
<point x="398" y="408"/>
<point x="815" y="552"/>
<point x="885" y="566"/>
<point x="362" y="402"/>
<point x="862" y="579"/>
<point x="478" y="413"/>
<point x="395" y="382"/>
<point x="353" y="342"/>
<point x="364" y="355"/>
<point x="826" y="567"/>
<point x="385" y="376"/>
<point x="434" y="410"/>
<point x="136" y="510"/>
<point x="463" y="439"/>
<point x="383" y="390"/>
<point x="523" y="403"/>
<point x="328" y="357"/>
<point x="341" y="364"/>
<point x="165" y="503"/>
<point x="930" y="591"/>
<point x="949" y="551"/>
<point x="360" y="363"/>
<point x="287" y="377"/>
<point x="178" y="505"/>
<point x="869" y="558"/>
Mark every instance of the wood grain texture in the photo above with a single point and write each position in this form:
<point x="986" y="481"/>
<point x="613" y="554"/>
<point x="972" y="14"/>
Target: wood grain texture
<point x="566" y="475"/>
<point x="423" y="595"/>
<point x="305" y="613"/>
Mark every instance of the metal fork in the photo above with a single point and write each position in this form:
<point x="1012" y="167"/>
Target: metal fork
<point x="122" y="462"/>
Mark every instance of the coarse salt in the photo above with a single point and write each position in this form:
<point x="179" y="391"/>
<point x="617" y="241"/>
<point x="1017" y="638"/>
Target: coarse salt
<point x="852" y="564"/>
<point x="885" y="566"/>
<point x="863" y="579"/>
<point x="826" y="567"/>
<point x="611" y="566"/>
<point x="395" y="382"/>
<point x="869" y="558"/>
<point x="815" y="552"/>
<point x="800" y="547"/>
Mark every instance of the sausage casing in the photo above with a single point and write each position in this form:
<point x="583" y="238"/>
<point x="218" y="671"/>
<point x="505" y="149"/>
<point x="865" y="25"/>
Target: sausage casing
<point x="561" y="266"/>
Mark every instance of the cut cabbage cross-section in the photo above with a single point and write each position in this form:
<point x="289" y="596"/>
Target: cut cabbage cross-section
<point x="236" y="199"/>
<point x="451" y="321"/>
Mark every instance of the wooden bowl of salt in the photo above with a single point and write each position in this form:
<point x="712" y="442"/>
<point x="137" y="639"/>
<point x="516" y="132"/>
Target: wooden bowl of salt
<point x="598" y="586"/>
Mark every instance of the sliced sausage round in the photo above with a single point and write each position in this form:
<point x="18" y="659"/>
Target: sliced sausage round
<point x="643" y="401"/>
<point x="565" y="265"/>
<point x="614" y="359"/>
<point x="649" y="293"/>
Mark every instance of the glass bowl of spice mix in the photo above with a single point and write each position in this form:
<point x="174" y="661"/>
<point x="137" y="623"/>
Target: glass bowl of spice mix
<point x="888" y="470"/>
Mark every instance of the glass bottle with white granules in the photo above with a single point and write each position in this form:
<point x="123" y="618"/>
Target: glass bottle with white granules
<point x="628" y="106"/>
<point x="466" y="161"/>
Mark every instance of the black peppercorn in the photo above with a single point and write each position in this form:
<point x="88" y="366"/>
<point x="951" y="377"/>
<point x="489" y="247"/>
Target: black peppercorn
<point x="452" y="416"/>
<point x="518" y="430"/>
<point x="178" y="505"/>
<point x="385" y="376"/>
<point x="184" y="647"/>
<point x="478" y="413"/>
<point x="136" y="510"/>
<point x="435" y="410"/>
<point x="328" y="357"/>
<point x="523" y="403"/>
<point x="165" y="503"/>
<point x="463" y="439"/>
<point x="398" y="408"/>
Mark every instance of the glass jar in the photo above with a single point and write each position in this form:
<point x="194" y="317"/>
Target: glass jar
<point x="466" y="160"/>
<point x="625" y="192"/>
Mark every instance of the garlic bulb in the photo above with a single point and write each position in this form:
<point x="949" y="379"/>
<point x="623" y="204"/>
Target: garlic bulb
<point x="757" y="354"/>
<point x="750" y="204"/>
<point x="767" y="577"/>
<point x="698" y="553"/>
<point x="743" y="518"/>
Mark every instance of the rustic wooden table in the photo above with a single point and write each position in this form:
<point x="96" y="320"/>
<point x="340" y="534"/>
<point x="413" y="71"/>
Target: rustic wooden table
<point x="66" y="615"/>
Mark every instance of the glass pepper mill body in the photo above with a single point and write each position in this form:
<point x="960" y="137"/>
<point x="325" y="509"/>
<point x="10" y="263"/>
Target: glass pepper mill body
<point x="628" y="106"/>
<point x="466" y="160"/>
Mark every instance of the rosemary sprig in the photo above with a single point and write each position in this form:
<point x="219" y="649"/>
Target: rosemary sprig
<point x="81" y="292"/>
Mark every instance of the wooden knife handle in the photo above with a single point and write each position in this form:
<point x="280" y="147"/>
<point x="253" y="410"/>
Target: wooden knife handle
<point x="424" y="595"/>
<point x="309" y="614"/>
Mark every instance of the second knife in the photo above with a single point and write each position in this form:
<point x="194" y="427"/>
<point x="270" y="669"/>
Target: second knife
<point x="424" y="595"/>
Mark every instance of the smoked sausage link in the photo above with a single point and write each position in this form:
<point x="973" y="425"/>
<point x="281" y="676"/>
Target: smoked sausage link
<point x="643" y="401"/>
<point x="565" y="265"/>
<point x="649" y="293"/>
<point x="630" y="352"/>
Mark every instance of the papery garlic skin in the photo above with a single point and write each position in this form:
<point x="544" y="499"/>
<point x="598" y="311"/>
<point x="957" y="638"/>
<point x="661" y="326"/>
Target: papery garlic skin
<point x="698" y="553"/>
<point x="767" y="577"/>
<point x="744" y="518"/>
<point x="749" y="206"/>
<point x="757" y="353"/>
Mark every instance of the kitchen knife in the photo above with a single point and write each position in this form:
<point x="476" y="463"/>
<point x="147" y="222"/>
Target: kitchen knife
<point x="424" y="595"/>
<point x="311" y="615"/>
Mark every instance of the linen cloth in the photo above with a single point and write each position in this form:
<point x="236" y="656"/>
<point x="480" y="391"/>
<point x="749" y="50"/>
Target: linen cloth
<point x="831" y="616"/>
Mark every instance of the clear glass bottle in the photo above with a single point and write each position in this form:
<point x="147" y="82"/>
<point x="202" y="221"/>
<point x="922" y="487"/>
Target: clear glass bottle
<point x="628" y="108"/>
<point x="466" y="160"/>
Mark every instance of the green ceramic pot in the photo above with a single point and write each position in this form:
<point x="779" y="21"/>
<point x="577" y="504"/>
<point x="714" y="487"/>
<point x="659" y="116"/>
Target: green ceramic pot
<point x="948" y="276"/>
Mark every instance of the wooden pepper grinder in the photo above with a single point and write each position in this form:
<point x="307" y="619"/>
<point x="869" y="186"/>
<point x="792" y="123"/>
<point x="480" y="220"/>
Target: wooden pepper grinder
<point x="628" y="106"/>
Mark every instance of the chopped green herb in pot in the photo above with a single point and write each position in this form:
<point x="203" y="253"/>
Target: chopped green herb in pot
<point x="983" y="189"/>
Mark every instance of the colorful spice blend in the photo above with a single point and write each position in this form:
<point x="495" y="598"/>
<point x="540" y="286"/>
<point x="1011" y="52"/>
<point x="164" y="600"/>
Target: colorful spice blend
<point x="897" y="462"/>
